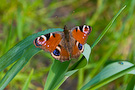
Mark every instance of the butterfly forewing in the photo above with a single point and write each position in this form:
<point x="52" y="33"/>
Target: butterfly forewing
<point x="48" y="42"/>
<point x="80" y="33"/>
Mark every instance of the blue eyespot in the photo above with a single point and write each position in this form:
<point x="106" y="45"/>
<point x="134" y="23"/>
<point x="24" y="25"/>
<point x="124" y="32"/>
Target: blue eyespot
<point x="56" y="52"/>
<point x="80" y="46"/>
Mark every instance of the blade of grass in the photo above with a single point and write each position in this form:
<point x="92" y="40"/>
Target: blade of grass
<point x="19" y="23"/>
<point x="99" y="10"/>
<point x="102" y="83"/>
<point x="131" y="84"/>
<point x="54" y="81"/>
<point x="56" y="74"/>
<point x="109" y="73"/>
<point x="80" y="78"/>
<point x="25" y="87"/>
<point x="16" y="52"/>
<point x="27" y="54"/>
<point x="107" y="28"/>
<point x="103" y="60"/>
<point x="67" y="74"/>
<point x="7" y="46"/>
<point x="22" y="52"/>
<point x="84" y="59"/>
<point x="105" y="57"/>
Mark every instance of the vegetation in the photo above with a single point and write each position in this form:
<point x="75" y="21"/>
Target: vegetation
<point x="108" y="63"/>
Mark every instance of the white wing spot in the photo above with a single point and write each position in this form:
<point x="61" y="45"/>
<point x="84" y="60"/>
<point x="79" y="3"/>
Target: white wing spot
<point x="38" y="38"/>
<point x="51" y="34"/>
<point x="47" y="45"/>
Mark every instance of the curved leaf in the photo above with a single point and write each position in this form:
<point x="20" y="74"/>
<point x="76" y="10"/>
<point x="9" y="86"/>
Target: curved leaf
<point x="25" y="87"/>
<point x="84" y="59"/>
<point x="59" y="70"/>
<point x="56" y="74"/>
<point x="22" y="52"/>
<point x="16" y="52"/>
<point x="109" y="73"/>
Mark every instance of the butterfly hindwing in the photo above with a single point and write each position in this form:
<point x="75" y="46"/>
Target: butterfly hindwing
<point x="61" y="53"/>
<point x="77" y="49"/>
<point x="80" y="35"/>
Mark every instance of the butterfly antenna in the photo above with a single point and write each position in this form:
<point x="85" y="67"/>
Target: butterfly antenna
<point x="65" y="27"/>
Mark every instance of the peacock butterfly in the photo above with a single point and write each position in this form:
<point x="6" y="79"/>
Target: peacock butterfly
<point x="64" y="45"/>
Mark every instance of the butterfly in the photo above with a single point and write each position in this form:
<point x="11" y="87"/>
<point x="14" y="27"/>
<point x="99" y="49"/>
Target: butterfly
<point x="66" y="44"/>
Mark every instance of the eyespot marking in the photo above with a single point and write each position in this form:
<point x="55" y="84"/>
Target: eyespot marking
<point x="80" y="46"/>
<point x="47" y="36"/>
<point x="36" y="42"/>
<point x="41" y="38"/>
<point x="56" y="52"/>
<point x="87" y="29"/>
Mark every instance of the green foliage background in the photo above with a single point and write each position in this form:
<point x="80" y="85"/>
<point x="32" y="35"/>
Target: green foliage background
<point x="21" y="18"/>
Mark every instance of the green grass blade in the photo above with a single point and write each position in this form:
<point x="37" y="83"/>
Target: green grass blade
<point x="131" y="84"/>
<point x="27" y="54"/>
<point x="51" y="80"/>
<point x="22" y="52"/>
<point x="19" y="23"/>
<point x="110" y="73"/>
<point x="56" y="74"/>
<point x="16" y="52"/>
<point x="67" y="74"/>
<point x="84" y="60"/>
<point x="25" y="87"/>
<point x="107" y="28"/>
<point x="7" y="46"/>
<point x="103" y="60"/>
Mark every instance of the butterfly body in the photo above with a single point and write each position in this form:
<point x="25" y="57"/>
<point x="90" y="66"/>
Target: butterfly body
<point x="64" y="45"/>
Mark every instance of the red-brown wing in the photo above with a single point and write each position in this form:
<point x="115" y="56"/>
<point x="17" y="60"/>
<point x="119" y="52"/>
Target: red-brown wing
<point x="51" y="43"/>
<point x="48" y="42"/>
<point x="61" y="53"/>
<point x="80" y="33"/>
<point x="77" y="49"/>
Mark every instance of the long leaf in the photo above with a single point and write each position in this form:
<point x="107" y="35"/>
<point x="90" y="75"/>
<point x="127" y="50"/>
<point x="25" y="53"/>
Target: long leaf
<point x="16" y="52"/>
<point x="22" y="52"/>
<point x="17" y="66"/>
<point x="56" y="74"/>
<point x="117" y="69"/>
<point x="25" y="87"/>
<point x="107" y="28"/>
<point x="82" y="62"/>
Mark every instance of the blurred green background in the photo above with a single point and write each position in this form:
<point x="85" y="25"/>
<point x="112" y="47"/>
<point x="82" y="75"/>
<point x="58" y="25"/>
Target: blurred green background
<point x="21" y="18"/>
